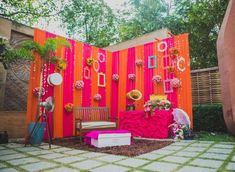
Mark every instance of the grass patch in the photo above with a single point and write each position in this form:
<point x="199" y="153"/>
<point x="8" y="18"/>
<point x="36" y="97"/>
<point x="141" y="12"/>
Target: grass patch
<point x="217" y="137"/>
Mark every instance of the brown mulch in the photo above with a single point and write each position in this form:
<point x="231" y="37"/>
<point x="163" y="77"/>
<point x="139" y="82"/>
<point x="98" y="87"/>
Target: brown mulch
<point x="137" y="147"/>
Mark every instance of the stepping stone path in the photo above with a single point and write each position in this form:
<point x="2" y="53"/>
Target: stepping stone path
<point x="182" y="156"/>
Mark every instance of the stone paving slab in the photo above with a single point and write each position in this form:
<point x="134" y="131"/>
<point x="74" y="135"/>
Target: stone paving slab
<point x="2" y="165"/>
<point x="132" y="162"/>
<point x="22" y="161"/>
<point x="92" y="154"/>
<point x="41" y="152"/>
<point x="196" y="169"/>
<point x="179" y="143"/>
<point x="223" y="146"/>
<point x="46" y="146"/>
<point x="110" y="168"/>
<point x="38" y="166"/>
<point x="9" y="170"/>
<point x="161" y="167"/>
<point x="218" y="150"/>
<point x="214" y="156"/>
<point x="207" y="163"/>
<point x="52" y="156"/>
<point x="174" y="148"/>
<point x="150" y="156"/>
<point x="7" y="152"/>
<point x="201" y="144"/>
<point x="1" y="148"/>
<point x="175" y="159"/>
<point x="187" y="154"/>
<point x="111" y="158"/>
<point x="14" y="145"/>
<point x="86" y="165"/>
<point x="61" y="149"/>
<point x="12" y="156"/>
<point x="62" y="169"/>
<point x="68" y="160"/>
<point x="194" y="149"/>
<point x="163" y="152"/>
<point x="75" y="152"/>
<point x="27" y="149"/>
<point x="231" y="166"/>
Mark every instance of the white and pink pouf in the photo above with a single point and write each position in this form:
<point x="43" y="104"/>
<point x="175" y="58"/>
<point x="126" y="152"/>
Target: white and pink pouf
<point x="106" y="138"/>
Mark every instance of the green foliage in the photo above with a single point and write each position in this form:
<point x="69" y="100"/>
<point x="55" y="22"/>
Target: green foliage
<point x="217" y="137"/>
<point x="29" y="48"/>
<point x="208" y="118"/>
<point x="29" y="11"/>
<point x="91" y="20"/>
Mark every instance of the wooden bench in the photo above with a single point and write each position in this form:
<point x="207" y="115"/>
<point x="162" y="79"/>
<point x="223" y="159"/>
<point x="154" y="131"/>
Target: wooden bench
<point x="92" y="118"/>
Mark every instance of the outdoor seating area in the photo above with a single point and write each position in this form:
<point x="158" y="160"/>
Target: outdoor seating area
<point x="117" y="86"/>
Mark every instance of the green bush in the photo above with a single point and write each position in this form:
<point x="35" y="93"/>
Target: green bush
<point x="208" y="118"/>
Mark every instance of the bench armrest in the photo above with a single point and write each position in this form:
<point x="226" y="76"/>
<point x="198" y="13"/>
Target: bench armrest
<point x="80" y="122"/>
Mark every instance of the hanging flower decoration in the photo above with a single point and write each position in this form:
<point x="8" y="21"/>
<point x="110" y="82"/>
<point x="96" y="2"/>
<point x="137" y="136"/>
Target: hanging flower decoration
<point x="173" y="52"/>
<point x="171" y="69"/>
<point x="37" y="90"/>
<point x="131" y="76"/>
<point x="115" y="77"/>
<point x="139" y="62"/>
<point x="175" y="83"/>
<point x="157" y="79"/>
<point x="68" y="107"/>
<point x="61" y="64"/>
<point x="97" y="97"/>
<point x="89" y="61"/>
<point x="79" y="84"/>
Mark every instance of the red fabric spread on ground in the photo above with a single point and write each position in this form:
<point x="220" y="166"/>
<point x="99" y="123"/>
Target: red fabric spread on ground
<point x="155" y="126"/>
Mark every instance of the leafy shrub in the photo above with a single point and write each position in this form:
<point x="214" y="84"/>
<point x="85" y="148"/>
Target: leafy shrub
<point x="208" y="118"/>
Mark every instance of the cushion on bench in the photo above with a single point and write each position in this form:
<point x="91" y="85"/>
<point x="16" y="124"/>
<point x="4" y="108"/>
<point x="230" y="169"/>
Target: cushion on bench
<point x="96" y="124"/>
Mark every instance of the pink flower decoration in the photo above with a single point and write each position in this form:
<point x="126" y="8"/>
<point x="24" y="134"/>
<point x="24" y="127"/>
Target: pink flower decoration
<point x="131" y="76"/>
<point x="175" y="83"/>
<point x="97" y="97"/>
<point x="37" y="90"/>
<point x="115" y="77"/>
<point x="139" y="62"/>
<point x="79" y="84"/>
<point x="157" y="79"/>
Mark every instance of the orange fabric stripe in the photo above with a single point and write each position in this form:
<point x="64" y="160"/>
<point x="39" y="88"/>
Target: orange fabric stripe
<point x="122" y="81"/>
<point x="139" y="84"/>
<point x="94" y="78"/>
<point x="77" y="94"/>
<point x="108" y="78"/>
<point x="58" y="96"/>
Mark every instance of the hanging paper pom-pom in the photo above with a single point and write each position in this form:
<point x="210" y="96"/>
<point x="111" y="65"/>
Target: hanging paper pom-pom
<point x="139" y="62"/>
<point x="89" y="61"/>
<point x="131" y="76"/>
<point x="37" y="90"/>
<point x="79" y="84"/>
<point x="115" y="77"/>
<point x="175" y="83"/>
<point x="68" y="107"/>
<point x="157" y="79"/>
<point x="61" y="64"/>
<point x="97" y="97"/>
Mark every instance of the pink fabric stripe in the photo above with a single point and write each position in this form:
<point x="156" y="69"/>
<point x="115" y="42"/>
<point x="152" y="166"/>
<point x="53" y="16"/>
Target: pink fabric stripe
<point x="48" y="69"/>
<point x="86" y="96"/>
<point x="102" y="91"/>
<point x="114" y="85"/>
<point x="172" y="97"/>
<point x="130" y="85"/>
<point x="68" y="90"/>
<point x="148" y="73"/>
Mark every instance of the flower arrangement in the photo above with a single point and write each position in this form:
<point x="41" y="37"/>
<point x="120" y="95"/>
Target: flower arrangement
<point x="68" y="107"/>
<point x="173" y="51"/>
<point x="97" y="97"/>
<point x="152" y="105"/>
<point x="134" y="95"/>
<point x="61" y="64"/>
<point x="37" y="90"/>
<point x="89" y="61"/>
<point x="157" y="79"/>
<point x="171" y="69"/>
<point x="79" y="84"/>
<point x="139" y="62"/>
<point x="131" y="76"/>
<point x="178" y="131"/>
<point x="115" y="77"/>
<point x="175" y="83"/>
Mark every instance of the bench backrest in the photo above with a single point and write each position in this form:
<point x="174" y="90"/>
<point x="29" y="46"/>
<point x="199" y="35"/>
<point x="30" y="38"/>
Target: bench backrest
<point x="92" y="113"/>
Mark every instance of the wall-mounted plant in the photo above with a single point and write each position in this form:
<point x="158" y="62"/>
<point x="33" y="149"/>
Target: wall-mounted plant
<point x="115" y="77"/>
<point x="97" y="97"/>
<point x="157" y="79"/>
<point x="68" y="107"/>
<point x="131" y="76"/>
<point x="61" y="64"/>
<point x="79" y="84"/>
